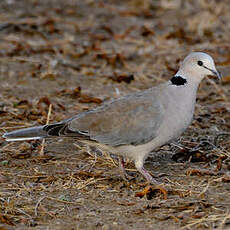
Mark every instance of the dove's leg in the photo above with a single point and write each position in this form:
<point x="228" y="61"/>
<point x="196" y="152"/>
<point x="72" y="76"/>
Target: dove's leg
<point x="139" y="165"/>
<point x="124" y="174"/>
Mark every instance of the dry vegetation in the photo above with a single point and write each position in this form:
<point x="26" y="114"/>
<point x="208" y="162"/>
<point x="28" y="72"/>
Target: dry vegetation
<point x="77" y="54"/>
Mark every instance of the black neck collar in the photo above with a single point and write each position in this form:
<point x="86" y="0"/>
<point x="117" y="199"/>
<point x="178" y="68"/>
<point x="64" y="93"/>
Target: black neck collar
<point x="178" y="80"/>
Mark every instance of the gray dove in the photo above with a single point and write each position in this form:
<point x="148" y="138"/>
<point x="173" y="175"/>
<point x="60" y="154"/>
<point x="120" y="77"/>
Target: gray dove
<point x="134" y="125"/>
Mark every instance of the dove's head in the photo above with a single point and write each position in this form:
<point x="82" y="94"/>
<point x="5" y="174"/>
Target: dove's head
<point x="196" y="66"/>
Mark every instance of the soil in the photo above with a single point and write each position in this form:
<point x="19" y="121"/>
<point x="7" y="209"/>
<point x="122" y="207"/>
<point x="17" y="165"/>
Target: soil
<point x="74" y="55"/>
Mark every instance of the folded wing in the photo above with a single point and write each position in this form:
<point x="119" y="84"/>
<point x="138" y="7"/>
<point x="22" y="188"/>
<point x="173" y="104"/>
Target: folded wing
<point x="131" y="120"/>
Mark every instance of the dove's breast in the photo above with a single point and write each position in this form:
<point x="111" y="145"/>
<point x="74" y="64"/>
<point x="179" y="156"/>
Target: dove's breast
<point x="179" y="103"/>
<point x="178" y="107"/>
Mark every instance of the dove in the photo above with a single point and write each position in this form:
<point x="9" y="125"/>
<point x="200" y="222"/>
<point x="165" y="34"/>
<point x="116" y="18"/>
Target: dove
<point x="134" y="125"/>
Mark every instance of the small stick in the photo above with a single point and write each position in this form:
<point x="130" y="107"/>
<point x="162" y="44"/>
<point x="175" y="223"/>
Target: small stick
<point x="37" y="204"/>
<point x="47" y="122"/>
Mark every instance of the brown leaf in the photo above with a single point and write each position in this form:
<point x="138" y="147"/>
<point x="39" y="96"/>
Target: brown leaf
<point x="122" y="77"/>
<point x="61" y="106"/>
<point x="3" y="113"/>
<point x="193" y="156"/>
<point x="199" y="215"/>
<point x="226" y="62"/>
<point x="49" y="23"/>
<point x="2" y="228"/>
<point x="150" y="191"/>
<point x="42" y="159"/>
<point x="48" y="75"/>
<point x="176" y="219"/>
<point x="83" y="98"/>
<point x="125" y="203"/>
<point x="20" y="155"/>
<point x="226" y="179"/>
<point x="88" y="99"/>
<point x="219" y="162"/>
<point x="199" y="172"/>
<point x="226" y="79"/>
<point x="86" y="174"/>
<point x="77" y="92"/>
<point x="125" y="34"/>
<point x="42" y="105"/>
<point x="22" y="103"/>
<point x="146" y="31"/>
<point x="170" y="68"/>
<point x="108" y="29"/>
<point x="44" y="100"/>
<point x="6" y="220"/>
<point x="181" y="35"/>
<point x="113" y="59"/>
<point x="47" y="179"/>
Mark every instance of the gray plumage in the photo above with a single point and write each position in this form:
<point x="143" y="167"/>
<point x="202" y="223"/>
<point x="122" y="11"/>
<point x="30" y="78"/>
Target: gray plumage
<point x="135" y="124"/>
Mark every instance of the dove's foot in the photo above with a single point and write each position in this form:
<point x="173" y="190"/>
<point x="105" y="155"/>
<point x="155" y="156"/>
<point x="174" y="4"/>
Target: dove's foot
<point x="148" y="177"/>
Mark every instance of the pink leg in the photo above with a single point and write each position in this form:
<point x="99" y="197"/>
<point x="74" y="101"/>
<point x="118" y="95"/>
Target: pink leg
<point x="139" y="165"/>
<point x="147" y="176"/>
<point x="122" y="168"/>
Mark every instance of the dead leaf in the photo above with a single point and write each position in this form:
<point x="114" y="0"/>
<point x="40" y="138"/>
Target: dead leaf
<point x="125" y="203"/>
<point x="193" y="156"/>
<point x="77" y="92"/>
<point x="6" y="220"/>
<point x="20" y="155"/>
<point x="3" y="113"/>
<point x="181" y="36"/>
<point x="226" y="62"/>
<point x="46" y="179"/>
<point x="88" y="99"/>
<point x="150" y="191"/>
<point x="125" y="34"/>
<point x="220" y="162"/>
<point x="122" y="77"/>
<point x="86" y="174"/>
<point x="226" y="79"/>
<point x="226" y="179"/>
<point x="44" y="100"/>
<point x="200" y="172"/>
<point x="146" y="31"/>
<point x="199" y="215"/>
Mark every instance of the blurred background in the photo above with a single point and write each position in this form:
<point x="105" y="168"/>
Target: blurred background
<point x="77" y="54"/>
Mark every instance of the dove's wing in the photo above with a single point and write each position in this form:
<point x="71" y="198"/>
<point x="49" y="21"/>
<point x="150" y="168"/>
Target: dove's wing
<point x="133" y="120"/>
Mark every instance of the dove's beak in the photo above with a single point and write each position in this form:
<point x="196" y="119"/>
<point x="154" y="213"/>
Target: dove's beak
<point x="215" y="72"/>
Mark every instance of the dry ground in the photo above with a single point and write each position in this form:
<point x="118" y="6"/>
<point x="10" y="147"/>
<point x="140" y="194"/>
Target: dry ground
<point x="77" y="54"/>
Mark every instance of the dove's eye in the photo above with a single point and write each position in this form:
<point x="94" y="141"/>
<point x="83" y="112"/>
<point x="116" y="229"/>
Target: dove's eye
<point x="200" y="63"/>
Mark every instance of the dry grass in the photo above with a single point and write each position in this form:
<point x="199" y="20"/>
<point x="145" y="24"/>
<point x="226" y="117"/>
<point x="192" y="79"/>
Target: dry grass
<point x="74" y="55"/>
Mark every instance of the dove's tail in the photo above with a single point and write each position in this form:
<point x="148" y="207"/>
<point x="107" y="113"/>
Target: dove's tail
<point x="40" y="132"/>
<point x="33" y="133"/>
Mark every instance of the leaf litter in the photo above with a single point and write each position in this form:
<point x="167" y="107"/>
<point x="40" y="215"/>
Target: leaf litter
<point x="80" y="54"/>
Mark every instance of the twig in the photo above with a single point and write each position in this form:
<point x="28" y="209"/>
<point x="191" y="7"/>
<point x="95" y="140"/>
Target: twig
<point x="37" y="204"/>
<point x="224" y="221"/>
<point x="47" y="122"/>
<point x="205" y="189"/>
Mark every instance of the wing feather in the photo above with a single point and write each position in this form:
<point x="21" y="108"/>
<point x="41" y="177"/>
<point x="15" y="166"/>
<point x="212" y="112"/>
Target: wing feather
<point x="133" y="119"/>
